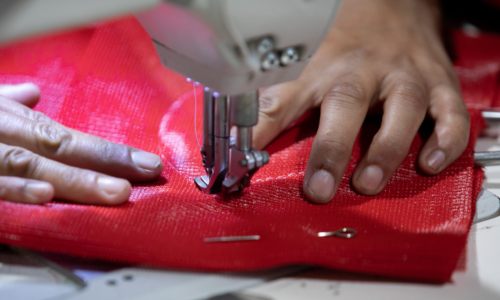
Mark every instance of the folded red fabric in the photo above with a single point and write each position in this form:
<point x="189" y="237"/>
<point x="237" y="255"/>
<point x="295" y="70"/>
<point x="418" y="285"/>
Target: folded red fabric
<point x="108" y="81"/>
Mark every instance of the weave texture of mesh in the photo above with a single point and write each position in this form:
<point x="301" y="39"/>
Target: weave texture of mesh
<point x="107" y="81"/>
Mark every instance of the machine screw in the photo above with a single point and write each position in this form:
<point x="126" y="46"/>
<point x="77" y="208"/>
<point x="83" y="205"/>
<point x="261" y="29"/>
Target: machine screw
<point x="265" y="45"/>
<point x="270" y="61"/>
<point x="288" y="56"/>
<point x="265" y="157"/>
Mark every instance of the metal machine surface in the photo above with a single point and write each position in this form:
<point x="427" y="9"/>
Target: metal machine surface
<point x="25" y="18"/>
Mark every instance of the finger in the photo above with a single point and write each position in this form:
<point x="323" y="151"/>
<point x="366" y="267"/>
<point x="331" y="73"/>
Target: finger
<point x="36" y="132"/>
<point x="404" y="111"/>
<point x="279" y="106"/>
<point x="24" y="93"/>
<point x="24" y="190"/>
<point x="69" y="183"/>
<point x="343" y="110"/>
<point x="451" y="132"/>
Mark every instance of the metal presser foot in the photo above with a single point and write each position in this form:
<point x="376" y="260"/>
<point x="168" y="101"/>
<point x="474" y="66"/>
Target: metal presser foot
<point x="229" y="161"/>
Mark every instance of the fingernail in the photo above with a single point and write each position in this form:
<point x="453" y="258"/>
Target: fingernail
<point x="20" y="92"/>
<point x="39" y="191"/>
<point x="322" y="186"/>
<point x="145" y="160"/>
<point x="371" y="178"/>
<point x="114" y="189"/>
<point x="436" y="159"/>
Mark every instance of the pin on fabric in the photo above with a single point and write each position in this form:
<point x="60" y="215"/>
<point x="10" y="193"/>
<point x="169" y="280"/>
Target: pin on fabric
<point x="232" y="238"/>
<point x="345" y="233"/>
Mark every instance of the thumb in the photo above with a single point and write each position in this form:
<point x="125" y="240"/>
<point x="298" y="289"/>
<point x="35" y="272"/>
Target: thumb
<point x="279" y="106"/>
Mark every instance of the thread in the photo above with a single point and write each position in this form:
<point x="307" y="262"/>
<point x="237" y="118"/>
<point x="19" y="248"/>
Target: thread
<point x="195" y="84"/>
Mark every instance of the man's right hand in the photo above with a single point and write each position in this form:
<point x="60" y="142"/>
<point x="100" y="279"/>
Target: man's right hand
<point x="41" y="159"/>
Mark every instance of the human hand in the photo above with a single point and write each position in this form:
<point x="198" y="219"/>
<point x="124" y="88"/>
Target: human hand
<point x="379" y="53"/>
<point x="41" y="159"/>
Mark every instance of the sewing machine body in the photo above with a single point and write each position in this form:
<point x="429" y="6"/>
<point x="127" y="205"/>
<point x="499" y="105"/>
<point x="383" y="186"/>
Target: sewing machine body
<point x="228" y="45"/>
<point x="238" y="46"/>
<point x="24" y="18"/>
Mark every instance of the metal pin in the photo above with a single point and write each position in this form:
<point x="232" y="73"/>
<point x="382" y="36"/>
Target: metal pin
<point x="232" y="238"/>
<point x="487" y="158"/>
<point x="491" y="115"/>
<point x="345" y="233"/>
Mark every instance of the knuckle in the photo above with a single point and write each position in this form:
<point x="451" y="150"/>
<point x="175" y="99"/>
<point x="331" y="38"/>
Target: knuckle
<point x="50" y="138"/>
<point x="22" y="189"/>
<point x="271" y="108"/>
<point x="441" y="72"/>
<point x="447" y="93"/>
<point x="463" y="118"/>
<point x="453" y="103"/>
<point x="444" y="71"/>
<point x="391" y="148"/>
<point x="462" y="139"/>
<point x="19" y="162"/>
<point x="269" y="103"/>
<point x="328" y="147"/>
<point x="454" y="137"/>
<point x="36" y="116"/>
<point x="271" y="111"/>
<point x="115" y="153"/>
<point x="82" y="179"/>
<point x="412" y="94"/>
<point x="347" y="94"/>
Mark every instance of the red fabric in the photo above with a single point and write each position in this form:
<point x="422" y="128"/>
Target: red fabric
<point x="478" y="66"/>
<point x="494" y="3"/>
<point x="107" y="81"/>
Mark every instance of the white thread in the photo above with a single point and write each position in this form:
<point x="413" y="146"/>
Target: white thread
<point x="280" y="177"/>
<point x="196" y="115"/>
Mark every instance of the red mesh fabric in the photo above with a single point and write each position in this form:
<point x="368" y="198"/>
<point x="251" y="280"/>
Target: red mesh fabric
<point x="478" y="66"/>
<point x="107" y="81"/>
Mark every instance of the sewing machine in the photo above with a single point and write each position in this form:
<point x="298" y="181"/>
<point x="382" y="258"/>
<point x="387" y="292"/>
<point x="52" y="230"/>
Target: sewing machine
<point x="26" y="275"/>
<point x="232" y="47"/>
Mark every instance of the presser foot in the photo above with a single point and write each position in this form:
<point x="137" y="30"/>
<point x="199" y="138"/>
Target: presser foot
<point x="242" y="165"/>
<point x="205" y="184"/>
<point x="228" y="158"/>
